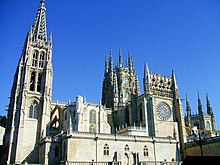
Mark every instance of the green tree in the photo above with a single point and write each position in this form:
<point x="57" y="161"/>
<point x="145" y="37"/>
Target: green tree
<point x="3" y="121"/>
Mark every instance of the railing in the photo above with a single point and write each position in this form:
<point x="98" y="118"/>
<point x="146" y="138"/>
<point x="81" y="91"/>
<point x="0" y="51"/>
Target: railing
<point x="160" y="163"/>
<point x="119" y="163"/>
<point x="90" y="163"/>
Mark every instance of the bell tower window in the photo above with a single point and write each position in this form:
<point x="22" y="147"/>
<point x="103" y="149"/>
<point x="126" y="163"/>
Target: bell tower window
<point x="35" y="57"/>
<point x="39" y="82"/>
<point x="32" y="81"/>
<point x="33" y="110"/>
<point x="41" y="60"/>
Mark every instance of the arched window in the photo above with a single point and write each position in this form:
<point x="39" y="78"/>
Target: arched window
<point x="33" y="110"/>
<point x="32" y="81"/>
<point x="126" y="147"/>
<point x="34" y="60"/>
<point x="56" y="152"/>
<point x="39" y="79"/>
<point x="106" y="149"/>
<point x="92" y="117"/>
<point x="92" y="129"/>
<point x="208" y="126"/>
<point x="41" y="60"/>
<point x="145" y="151"/>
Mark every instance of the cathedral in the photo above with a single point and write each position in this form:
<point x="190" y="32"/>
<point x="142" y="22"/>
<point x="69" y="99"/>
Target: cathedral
<point x="126" y="127"/>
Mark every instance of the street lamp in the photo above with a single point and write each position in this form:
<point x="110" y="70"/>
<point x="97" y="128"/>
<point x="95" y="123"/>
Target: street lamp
<point x="153" y="141"/>
<point x="200" y="141"/>
<point x="96" y="149"/>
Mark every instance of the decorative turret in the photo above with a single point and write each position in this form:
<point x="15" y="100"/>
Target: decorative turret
<point x="188" y="111"/>
<point x="210" y="112"/>
<point x="120" y="62"/>
<point x="106" y="64"/>
<point x="174" y="85"/>
<point x="200" y="108"/>
<point x="146" y="80"/>
<point x="115" y="82"/>
<point x="110" y="67"/>
<point x="130" y="63"/>
<point x="209" y="108"/>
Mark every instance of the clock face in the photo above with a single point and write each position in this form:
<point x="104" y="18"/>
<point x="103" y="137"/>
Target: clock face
<point x="163" y="111"/>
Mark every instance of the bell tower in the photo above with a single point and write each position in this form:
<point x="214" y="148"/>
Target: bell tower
<point x="29" y="107"/>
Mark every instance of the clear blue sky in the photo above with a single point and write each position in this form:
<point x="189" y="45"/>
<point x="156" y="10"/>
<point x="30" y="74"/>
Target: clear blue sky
<point x="179" y="35"/>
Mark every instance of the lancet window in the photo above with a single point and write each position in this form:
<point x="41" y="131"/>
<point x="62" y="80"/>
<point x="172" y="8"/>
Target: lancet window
<point x="39" y="79"/>
<point x="33" y="110"/>
<point x="35" y="58"/>
<point x="32" y="81"/>
<point x="41" y="60"/>
<point x="92" y="117"/>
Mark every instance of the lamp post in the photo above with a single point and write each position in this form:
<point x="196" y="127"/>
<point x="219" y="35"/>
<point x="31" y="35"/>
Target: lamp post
<point x="200" y="141"/>
<point x="155" y="159"/>
<point x="96" y="149"/>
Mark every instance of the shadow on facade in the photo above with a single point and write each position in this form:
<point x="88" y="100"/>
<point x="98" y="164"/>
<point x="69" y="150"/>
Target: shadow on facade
<point x="200" y="160"/>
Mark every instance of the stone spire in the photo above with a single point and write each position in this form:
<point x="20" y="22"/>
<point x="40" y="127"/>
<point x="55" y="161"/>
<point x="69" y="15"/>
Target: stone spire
<point x="188" y="111"/>
<point x="120" y="64"/>
<point x="210" y="112"/>
<point x="39" y="28"/>
<point x="146" y="79"/>
<point x="110" y="67"/>
<point x="209" y="108"/>
<point x="200" y="108"/>
<point x="174" y="80"/>
<point x="115" y="88"/>
<point x="174" y="86"/>
<point x="106" y="64"/>
<point x="130" y="62"/>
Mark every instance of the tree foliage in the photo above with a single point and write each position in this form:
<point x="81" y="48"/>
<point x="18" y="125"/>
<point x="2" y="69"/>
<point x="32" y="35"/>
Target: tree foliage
<point x="3" y="121"/>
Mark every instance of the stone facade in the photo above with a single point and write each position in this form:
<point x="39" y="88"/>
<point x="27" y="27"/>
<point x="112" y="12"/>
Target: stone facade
<point x="126" y="127"/>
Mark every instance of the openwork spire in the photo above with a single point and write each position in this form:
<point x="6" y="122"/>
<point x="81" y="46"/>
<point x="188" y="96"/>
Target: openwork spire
<point x="39" y="28"/>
